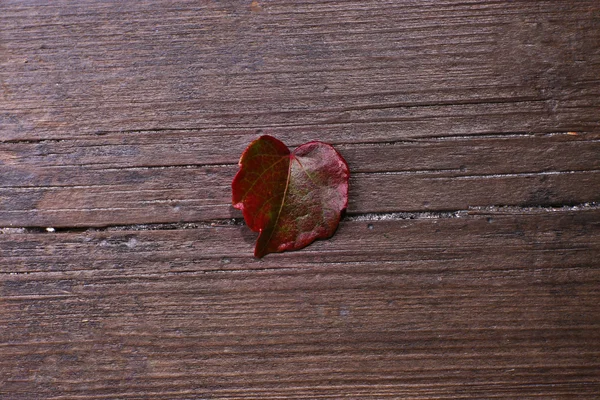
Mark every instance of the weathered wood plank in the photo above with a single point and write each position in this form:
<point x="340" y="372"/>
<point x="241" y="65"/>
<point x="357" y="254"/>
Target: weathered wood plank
<point x="98" y="183"/>
<point x="359" y="240"/>
<point x="204" y="195"/>
<point x="182" y="148"/>
<point x="135" y="113"/>
<point x="488" y="305"/>
<point x="377" y="71"/>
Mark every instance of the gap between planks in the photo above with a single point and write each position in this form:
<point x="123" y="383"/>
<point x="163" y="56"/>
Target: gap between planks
<point x="366" y="217"/>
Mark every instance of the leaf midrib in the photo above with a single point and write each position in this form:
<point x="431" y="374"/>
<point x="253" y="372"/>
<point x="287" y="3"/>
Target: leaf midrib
<point x="287" y="185"/>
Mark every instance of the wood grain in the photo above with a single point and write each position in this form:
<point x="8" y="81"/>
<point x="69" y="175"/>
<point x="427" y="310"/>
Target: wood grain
<point x="465" y="268"/>
<point x="376" y="70"/>
<point x="483" y="305"/>
<point x="100" y="182"/>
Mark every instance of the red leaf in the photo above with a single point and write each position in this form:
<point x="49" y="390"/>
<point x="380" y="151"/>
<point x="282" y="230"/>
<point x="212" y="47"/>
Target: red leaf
<point x="290" y="198"/>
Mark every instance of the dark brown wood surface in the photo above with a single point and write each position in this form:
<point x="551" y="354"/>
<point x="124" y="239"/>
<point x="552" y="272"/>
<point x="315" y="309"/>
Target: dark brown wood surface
<point x="467" y="265"/>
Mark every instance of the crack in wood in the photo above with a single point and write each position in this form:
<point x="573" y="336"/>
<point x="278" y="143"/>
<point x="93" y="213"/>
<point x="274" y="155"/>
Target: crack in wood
<point x="349" y="217"/>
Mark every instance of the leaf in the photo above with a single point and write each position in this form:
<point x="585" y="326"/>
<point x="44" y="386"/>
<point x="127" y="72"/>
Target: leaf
<point x="291" y="198"/>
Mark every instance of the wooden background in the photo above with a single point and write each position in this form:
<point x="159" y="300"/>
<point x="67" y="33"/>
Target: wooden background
<point x="467" y="265"/>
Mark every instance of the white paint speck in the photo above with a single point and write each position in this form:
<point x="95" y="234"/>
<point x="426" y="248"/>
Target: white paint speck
<point x="132" y="242"/>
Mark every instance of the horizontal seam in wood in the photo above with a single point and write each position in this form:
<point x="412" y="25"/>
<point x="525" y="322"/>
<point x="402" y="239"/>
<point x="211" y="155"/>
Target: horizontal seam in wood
<point x="473" y="212"/>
